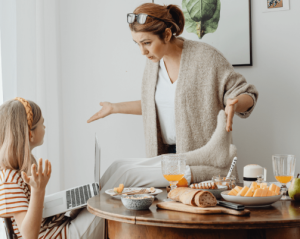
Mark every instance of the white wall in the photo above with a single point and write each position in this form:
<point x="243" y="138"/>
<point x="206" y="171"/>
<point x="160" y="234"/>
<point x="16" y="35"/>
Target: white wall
<point x="274" y="126"/>
<point x="100" y="62"/>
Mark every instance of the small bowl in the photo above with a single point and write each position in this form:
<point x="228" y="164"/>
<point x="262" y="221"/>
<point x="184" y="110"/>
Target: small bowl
<point x="137" y="204"/>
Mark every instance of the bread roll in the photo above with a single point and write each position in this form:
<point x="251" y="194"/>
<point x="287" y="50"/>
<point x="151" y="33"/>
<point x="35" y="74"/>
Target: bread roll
<point x="193" y="197"/>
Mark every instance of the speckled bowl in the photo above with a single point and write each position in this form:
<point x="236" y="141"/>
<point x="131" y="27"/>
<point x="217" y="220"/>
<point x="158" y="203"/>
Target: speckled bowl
<point x="137" y="204"/>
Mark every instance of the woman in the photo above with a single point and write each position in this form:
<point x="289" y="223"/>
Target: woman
<point x="185" y="85"/>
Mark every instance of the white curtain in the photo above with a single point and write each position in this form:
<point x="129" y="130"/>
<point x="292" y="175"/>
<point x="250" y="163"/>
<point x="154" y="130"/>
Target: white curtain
<point x="31" y="60"/>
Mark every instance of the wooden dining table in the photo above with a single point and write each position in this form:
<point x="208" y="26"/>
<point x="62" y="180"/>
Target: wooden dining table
<point x="280" y="220"/>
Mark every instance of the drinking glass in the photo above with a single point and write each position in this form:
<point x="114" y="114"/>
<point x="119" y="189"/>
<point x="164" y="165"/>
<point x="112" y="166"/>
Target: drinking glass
<point x="284" y="169"/>
<point x="173" y="168"/>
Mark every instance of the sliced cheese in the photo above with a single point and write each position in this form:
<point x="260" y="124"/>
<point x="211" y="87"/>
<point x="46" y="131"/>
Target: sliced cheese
<point x="250" y="192"/>
<point x="269" y="193"/>
<point x="243" y="191"/>
<point x="263" y="185"/>
<point x="233" y="192"/>
<point x="264" y="192"/>
<point x="238" y="188"/>
<point x="273" y="193"/>
<point x="254" y="185"/>
<point x="272" y="187"/>
<point x="258" y="192"/>
<point x="277" y="190"/>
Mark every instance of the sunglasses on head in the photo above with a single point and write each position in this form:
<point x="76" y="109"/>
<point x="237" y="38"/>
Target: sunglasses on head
<point x="140" y="18"/>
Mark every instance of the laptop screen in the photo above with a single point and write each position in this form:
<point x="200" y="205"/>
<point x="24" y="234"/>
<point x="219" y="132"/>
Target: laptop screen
<point x="97" y="160"/>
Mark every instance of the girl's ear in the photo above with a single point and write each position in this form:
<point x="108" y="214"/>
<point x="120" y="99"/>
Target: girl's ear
<point x="32" y="136"/>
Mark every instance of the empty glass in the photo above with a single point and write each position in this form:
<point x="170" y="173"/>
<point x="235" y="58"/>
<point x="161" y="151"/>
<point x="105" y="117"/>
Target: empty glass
<point x="284" y="169"/>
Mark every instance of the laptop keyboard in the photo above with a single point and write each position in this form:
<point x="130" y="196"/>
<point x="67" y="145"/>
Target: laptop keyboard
<point x="79" y="196"/>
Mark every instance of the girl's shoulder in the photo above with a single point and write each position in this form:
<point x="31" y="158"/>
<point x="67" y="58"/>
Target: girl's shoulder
<point x="10" y="176"/>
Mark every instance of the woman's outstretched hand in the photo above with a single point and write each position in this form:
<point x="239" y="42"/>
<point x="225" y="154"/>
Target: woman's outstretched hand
<point x="229" y="111"/>
<point x="106" y="110"/>
<point x="39" y="178"/>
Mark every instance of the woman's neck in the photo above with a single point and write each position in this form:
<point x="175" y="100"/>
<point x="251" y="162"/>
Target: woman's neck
<point x="174" y="51"/>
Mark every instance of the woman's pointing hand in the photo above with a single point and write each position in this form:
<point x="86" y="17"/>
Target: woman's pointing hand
<point x="229" y="111"/>
<point x="106" y="110"/>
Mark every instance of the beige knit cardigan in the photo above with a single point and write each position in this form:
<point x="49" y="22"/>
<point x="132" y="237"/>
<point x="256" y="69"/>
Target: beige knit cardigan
<point x="205" y="81"/>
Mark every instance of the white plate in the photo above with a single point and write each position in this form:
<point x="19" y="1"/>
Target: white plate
<point x="250" y="201"/>
<point x="127" y="190"/>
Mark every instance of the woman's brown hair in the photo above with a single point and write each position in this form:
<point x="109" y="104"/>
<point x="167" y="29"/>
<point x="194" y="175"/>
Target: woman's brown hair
<point x="15" y="150"/>
<point x="171" y="15"/>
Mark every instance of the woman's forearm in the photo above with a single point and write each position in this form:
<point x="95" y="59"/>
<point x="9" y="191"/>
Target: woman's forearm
<point x="131" y="107"/>
<point x="31" y="224"/>
<point x="244" y="104"/>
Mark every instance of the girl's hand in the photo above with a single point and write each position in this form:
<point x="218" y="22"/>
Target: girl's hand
<point x="229" y="111"/>
<point x="106" y="110"/>
<point x="38" y="179"/>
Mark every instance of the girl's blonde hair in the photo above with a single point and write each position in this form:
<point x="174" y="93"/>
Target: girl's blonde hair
<point x="15" y="150"/>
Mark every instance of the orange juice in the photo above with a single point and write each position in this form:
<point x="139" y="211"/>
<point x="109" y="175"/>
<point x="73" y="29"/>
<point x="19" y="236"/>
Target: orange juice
<point x="283" y="179"/>
<point x="174" y="177"/>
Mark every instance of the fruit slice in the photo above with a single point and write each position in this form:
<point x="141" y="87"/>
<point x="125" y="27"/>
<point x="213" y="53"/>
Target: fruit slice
<point x="119" y="189"/>
<point x="243" y="191"/>
<point x="250" y="192"/>
<point x="264" y="192"/>
<point x="273" y="193"/>
<point x="182" y="183"/>
<point x="233" y="192"/>
<point x="258" y="192"/>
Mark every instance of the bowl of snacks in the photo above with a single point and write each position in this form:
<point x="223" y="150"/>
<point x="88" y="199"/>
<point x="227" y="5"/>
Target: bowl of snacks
<point x="137" y="202"/>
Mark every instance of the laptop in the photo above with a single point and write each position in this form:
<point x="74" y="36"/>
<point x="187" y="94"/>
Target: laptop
<point x="77" y="197"/>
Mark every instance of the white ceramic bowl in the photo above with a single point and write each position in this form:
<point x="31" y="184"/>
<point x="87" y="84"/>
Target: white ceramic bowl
<point x="250" y="201"/>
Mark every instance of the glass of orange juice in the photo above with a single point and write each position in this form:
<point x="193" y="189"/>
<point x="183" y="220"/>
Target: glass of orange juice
<point x="173" y="168"/>
<point x="284" y="169"/>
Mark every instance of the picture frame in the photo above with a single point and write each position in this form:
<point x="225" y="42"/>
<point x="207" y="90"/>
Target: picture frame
<point x="233" y="34"/>
<point x="275" y="5"/>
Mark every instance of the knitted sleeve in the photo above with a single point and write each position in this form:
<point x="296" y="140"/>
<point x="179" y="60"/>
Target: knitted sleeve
<point x="232" y="84"/>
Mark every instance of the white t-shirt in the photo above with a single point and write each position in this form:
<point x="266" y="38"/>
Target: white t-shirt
<point x="165" y="103"/>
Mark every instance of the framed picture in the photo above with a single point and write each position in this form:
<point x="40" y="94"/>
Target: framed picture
<point x="275" y="5"/>
<point x="224" y="24"/>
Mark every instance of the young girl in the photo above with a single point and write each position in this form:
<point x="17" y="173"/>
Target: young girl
<point x="22" y="183"/>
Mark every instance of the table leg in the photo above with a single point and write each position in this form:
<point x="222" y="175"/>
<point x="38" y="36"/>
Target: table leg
<point x="119" y="230"/>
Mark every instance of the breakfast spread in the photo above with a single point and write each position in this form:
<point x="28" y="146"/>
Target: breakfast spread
<point x="256" y="190"/>
<point x="193" y="197"/>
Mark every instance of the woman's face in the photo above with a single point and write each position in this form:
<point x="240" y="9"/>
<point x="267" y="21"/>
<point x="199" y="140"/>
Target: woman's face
<point x="37" y="135"/>
<point x="150" y="45"/>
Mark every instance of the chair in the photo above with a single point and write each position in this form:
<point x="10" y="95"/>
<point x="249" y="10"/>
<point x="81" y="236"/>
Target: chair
<point x="9" y="229"/>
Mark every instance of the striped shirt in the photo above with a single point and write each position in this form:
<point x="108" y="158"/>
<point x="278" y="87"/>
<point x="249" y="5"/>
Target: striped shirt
<point x="15" y="197"/>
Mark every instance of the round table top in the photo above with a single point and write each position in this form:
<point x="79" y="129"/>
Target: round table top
<point x="280" y="214"/>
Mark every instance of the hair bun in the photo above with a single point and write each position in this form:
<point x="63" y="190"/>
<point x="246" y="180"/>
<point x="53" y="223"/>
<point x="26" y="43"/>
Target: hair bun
<point x="178" y="17"/>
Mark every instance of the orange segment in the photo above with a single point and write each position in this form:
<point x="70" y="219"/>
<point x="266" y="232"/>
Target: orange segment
<point x="182" y="183"/>
<point x="243" y="191"/>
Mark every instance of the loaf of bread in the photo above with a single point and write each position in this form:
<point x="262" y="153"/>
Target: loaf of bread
<point x="208" y="185"/>
<point x="193" y="197"/>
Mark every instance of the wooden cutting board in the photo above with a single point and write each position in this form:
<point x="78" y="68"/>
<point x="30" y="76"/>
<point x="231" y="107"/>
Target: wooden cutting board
<point x="177" y="206"/>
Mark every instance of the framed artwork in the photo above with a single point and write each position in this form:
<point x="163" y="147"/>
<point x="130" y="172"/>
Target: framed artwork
<point x="224" y="24"/>
<point x="275" y="5"/>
